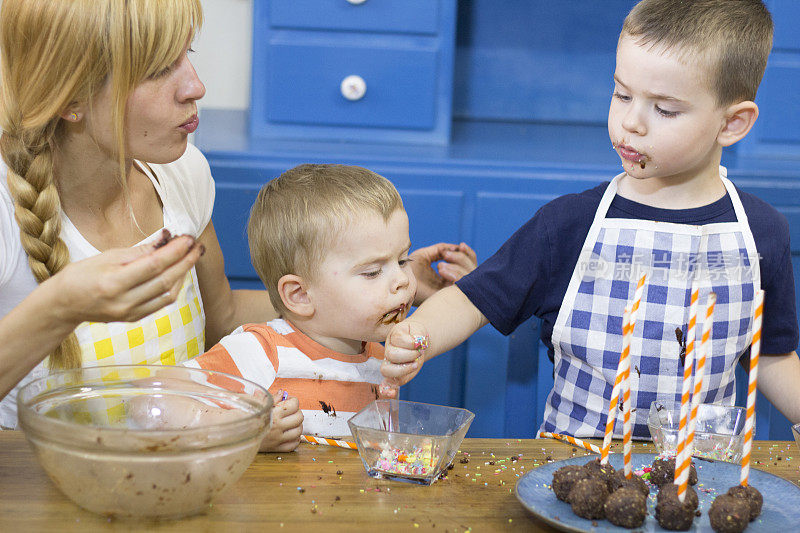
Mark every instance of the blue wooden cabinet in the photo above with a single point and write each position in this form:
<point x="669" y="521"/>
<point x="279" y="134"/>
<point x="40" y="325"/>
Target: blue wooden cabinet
<point x="475" y="150"/>
<point x="350" y="70"/>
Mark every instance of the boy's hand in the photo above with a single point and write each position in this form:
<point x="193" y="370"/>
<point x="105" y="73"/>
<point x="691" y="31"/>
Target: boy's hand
<point x="286" y="427"/>
<point x="403" y="357"/>
<point x="455" y="261"/>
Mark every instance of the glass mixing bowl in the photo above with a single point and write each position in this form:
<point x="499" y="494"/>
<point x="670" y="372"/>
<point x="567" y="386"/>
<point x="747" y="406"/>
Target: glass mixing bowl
<point x="144" y="441"/>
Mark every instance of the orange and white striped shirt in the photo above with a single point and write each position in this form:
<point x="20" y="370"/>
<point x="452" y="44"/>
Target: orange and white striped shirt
<point x="331" y="386"/>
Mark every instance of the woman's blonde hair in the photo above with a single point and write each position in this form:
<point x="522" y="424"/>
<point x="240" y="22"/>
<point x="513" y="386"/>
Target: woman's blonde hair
<point x="58" y="53"/>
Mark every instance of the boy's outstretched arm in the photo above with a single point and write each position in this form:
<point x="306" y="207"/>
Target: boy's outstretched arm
<point x="779" y="381"/>
<point x="446" y="319"/>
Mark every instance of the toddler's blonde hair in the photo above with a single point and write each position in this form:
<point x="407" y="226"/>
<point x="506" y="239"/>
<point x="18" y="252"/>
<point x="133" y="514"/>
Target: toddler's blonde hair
<point x="57" y="53"/>
<point x="729" y="39"/>
<point x="297" y="217"/>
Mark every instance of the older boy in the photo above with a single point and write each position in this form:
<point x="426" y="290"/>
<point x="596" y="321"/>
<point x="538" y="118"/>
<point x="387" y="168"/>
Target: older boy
<point x="684" y="85"/>
<point x="331" y="245"/>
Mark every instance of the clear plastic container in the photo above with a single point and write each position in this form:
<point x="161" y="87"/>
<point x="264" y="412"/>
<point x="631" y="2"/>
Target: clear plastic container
<point x="408" y="441"/>
<point x="135" y="441"/>
<point x="718" y="434"/>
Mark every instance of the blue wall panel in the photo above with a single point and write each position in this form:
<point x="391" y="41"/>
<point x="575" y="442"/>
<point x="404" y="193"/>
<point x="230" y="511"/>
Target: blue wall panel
<point x="501" y="371"/>
<point x="523" y="60"/>
<point x="231" y="211"/>
<point x="785" y="16"/>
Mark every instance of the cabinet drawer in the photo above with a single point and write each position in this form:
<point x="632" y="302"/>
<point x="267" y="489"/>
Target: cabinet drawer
<point x="305" y="86"/>
<point x="389" y="16"/>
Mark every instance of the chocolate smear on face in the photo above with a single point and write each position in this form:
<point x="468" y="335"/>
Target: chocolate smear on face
<point x="394" y="317"/>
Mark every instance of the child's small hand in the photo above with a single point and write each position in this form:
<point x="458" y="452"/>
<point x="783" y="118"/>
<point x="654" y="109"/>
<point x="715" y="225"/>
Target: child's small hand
<point x="403" y="357"/>
<point x="455" y="261"/>
<point x="286" y="428"/>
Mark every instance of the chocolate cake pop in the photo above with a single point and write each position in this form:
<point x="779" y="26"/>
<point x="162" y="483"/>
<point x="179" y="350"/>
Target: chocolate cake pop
<point x="604" y="472"/>
<point x="588" y="497"/>
<point x="729" y="514"/>
<point x="663" y="471"/>
<point x="751" y="495"/>
<point x="627" y="507"/>
<point x="565" y="477"/>
<point x="671" y="513"/>
<point x="670" y="490"/>
<point x="619" y="481"/>
<point x="674" y="515"/>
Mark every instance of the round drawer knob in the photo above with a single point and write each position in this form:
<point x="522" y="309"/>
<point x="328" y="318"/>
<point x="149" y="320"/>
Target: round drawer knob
<point x="353" y="87"/>
<point x="356" y="2"/>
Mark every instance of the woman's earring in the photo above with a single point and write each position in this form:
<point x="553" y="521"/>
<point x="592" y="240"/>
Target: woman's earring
<point x="73" y="117"/>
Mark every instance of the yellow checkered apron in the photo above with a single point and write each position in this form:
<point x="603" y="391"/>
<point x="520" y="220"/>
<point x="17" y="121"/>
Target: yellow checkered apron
<point x="170" y="336"/>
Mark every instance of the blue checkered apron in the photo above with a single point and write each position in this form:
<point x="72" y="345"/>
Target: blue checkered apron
<point x="587" y="336"/>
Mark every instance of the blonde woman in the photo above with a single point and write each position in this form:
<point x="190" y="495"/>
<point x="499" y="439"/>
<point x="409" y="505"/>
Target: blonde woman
<point x="98" y="98"/>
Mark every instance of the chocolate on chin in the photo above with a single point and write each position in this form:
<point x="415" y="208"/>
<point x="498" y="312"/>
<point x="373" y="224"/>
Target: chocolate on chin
<point x="588" y="496"/>
<point x="729" y="514"/>
<point x="627" y="507"/>
<point x="751" y="495"/>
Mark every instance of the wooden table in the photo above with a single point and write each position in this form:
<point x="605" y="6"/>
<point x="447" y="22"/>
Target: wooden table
<point x="327" y="489"/>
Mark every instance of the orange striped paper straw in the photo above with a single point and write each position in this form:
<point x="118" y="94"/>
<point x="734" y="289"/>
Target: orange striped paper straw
<point x="683" y="457"/>
<point x="621" y="376"/>
<point x="700" y="367"/>
<point x="329" y="442"/>
<point x="629" y="317"/>
<point x="568" y="438"/>
<point x="750" y="417"/>
<point x="637" y="298"/>
<point x="627" y="332"/>
<point x="612" y="410"/>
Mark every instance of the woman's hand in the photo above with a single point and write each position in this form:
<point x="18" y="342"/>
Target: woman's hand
<point x="455" y="261"/>
<point x="286" y="426"/>
<point x="123" y="284"/>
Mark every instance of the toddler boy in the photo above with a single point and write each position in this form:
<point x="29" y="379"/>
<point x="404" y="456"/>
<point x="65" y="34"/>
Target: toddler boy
<point x="331" y="245"/>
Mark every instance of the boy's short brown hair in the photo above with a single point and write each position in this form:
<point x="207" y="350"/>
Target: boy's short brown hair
<point x="731" y="38"/>
<point x="297" y="216"/>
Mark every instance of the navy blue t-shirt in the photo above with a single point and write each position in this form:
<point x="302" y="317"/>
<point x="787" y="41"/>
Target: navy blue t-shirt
<point x="529" y="274"/>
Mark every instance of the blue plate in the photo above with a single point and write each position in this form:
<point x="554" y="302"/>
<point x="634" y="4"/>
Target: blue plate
<point x="781" y="510"/>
